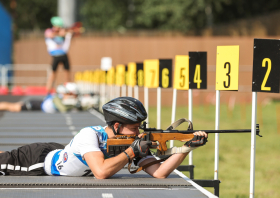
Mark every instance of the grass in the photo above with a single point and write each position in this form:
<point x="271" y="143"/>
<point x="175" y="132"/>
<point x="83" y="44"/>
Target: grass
<point x="234" y="149"/>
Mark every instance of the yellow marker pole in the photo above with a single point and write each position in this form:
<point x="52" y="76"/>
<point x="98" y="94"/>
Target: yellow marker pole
<point x="131" y="76"/>
<point x="151" y="76"/>
<point x="227" y="68"/>
<point x="111" y="81"/>
<point x="120" y="78"/>
<point x="181" y="82"/>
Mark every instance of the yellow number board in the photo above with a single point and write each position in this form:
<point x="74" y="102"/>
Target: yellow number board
<point x="131" y="74"/>
<point x="120" y="75"/>
<point x="78" y="76"/>
<point x="181" y="74"/>
<point x="96" y="76"/>
<point x="111" y="76"/>
<point x="102" y="77"/>
<point x="151" y="73"/>
<point x="227" y="67"/>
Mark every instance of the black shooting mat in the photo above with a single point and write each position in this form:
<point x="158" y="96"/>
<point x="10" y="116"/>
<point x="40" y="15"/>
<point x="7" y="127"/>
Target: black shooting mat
<point x="17" y="129"/>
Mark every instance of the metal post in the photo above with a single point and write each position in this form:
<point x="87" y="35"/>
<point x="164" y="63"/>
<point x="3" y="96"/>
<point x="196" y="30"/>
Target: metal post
<point x="217" y="123"/>
<point x="118" y="90"/>
<point x="146" y="102"/>
<point x="123" y="90"/>
<point x="129" y="91"/>
<point x="136" y="92"/>
<point x="159" y="108"/>
<point x="67" y="11"/>
<point x="190" y="118"/>
<point x="112" y="92"/>
<point x="253" y="144"/>
<point x="173" y="115"/>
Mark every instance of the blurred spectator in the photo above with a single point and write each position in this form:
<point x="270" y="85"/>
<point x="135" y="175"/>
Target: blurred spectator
<point x="58" y="42"/>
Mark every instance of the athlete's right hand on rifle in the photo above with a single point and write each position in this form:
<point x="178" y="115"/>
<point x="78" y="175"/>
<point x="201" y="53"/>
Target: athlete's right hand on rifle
<point x="140" y="148"/>
<point x="199" y="139"/>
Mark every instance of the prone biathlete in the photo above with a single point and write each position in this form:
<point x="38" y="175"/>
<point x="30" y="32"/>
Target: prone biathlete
<point x="65" y="99"/>
<point x="87" y="154"/>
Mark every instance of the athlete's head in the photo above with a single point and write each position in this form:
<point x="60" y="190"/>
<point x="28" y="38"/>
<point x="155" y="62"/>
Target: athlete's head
<point x="57" y="21"/>
<point x="124" y="110"/>
<point x="71" y="88"/>
<point x="68" y="88"/>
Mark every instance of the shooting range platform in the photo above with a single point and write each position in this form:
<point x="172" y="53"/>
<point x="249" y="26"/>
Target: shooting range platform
<point x="17" y="129"/>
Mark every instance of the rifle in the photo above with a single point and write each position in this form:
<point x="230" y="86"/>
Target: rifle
<point x="122" y="142"/>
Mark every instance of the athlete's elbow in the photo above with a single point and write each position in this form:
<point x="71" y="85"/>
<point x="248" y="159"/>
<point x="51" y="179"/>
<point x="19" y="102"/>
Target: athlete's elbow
<point x="101" y="176"/>
<point x="159" y="176"/>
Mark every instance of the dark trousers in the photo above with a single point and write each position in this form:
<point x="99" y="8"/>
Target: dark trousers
<point x="26" y="160"/>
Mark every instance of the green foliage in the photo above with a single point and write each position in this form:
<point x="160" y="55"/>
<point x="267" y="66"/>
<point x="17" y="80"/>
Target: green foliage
<point x="115" y="15"/>
<point x="153" y="14"/>
<point x="103" y="14"/>
<point x="32" y="14"/>
<point x="174" y="15"/>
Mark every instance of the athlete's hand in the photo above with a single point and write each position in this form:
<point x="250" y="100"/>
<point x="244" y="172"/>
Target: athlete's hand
<point x="140" y="148"/>
<point x="199" y="139"/>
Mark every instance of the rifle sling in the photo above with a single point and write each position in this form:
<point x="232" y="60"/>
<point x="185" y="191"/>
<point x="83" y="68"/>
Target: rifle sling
<point x="172" y="126"/>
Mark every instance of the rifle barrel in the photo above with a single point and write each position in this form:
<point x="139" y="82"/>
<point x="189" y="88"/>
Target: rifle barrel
<point x="154" y="130"/>
<point x="209" y="131"/>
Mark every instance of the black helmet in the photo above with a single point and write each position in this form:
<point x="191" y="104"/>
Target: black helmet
<point x="125" y="110"/>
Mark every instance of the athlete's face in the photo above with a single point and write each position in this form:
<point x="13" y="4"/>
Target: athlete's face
<point x="130" y="129"/>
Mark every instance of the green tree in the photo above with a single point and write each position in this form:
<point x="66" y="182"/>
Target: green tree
<point x="112" y="15"/>
<point x="31" y="14"/>
<point x="103" y="14"/>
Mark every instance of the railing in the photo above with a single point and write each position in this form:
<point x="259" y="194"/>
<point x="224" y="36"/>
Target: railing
<point x="19" y="74"/>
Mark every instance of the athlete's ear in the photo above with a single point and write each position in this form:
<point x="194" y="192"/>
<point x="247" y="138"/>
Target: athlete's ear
<point x="116" y="125"/>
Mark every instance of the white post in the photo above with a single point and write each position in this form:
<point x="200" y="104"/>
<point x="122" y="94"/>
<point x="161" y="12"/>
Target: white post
<point x="129" y="91"/>
<point x="173" y="115"/>
<point x="136" y="92"/>
<point x="146" y="102"/>
<point x="217" y="123"/>
<point x="103" y="86"/>
<point x="111" y="92"/>
<point x="158" y="108"/>
<point x="190" y="118"/>
<point x="124" y="90"/>
<point x="118" y="90"/>
<point x="253" y="144"/>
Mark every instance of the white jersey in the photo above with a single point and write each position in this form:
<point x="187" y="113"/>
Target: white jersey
<point x="58" y="46"/>
<point x="47" y="105"/>
<point x="70" y="161"/>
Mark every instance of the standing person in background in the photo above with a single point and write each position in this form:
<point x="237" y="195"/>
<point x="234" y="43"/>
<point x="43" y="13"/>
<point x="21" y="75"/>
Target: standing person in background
<point x="58" y="41"/>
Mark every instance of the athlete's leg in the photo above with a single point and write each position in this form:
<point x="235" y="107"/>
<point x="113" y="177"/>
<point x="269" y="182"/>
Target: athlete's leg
<point x="50" y="81"/>
<point x="67" y="76"/>
<point x="8" y="106"/>
<point x="26" y="160"/>
<point x="52" y="76"/>
<point x="66" y="65"/>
